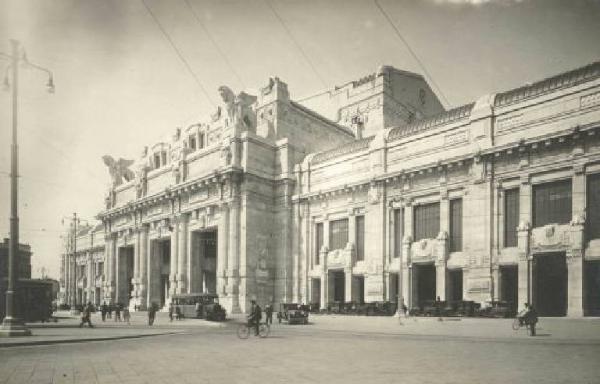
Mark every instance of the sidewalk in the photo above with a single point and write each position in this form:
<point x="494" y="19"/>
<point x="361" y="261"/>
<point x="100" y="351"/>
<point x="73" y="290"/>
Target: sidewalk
<point x="584" y="330"/>
<point x="66" y="329"/>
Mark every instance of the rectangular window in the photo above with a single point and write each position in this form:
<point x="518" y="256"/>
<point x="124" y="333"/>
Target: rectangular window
<point x="360" y="238"/>
<point x="163" y="158"/>
<point x="427" y="221"/>
<point x="193" y="142"/>
<point x="552" y="203"/>
<point x="318" y="242"/>
<point x="201" y="141"/>
<point x="100" y="270"/>
<point x="511" y="217"/>
<point x="456" y="218"/>
<point x="338" y="234"/>
<point x="593" y="207"/>
<point x="156" y="160"/>
<point x="398" y="231"/>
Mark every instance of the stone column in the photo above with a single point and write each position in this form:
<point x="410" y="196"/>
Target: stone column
<point x="440" y="265"/>
<point x="575" y="259"/>
<point x="143" y="277"/>
<point x="174" y="256"/>
<point x="296" y="251"/>
<point x="324" y="274"/>
<point x="91" y="280"/>
<point x="182" y="255"/>
<point x="136" y="268"/>
<point x="496" y="289"/>
<point x="348" y="284"/>
<point x="233" y="255"/>
<point x="524" y="295"/>
<point x="222" y="257"/>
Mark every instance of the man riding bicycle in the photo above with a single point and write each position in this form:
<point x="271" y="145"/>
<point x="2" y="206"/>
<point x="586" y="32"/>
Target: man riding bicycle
<point x="254" y="317"/>
<point x="528" y="316"/>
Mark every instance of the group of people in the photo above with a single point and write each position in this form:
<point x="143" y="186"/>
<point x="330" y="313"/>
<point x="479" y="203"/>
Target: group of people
<point x="107" y="310"/>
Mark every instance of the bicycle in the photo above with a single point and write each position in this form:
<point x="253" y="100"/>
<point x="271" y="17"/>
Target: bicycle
<point x="244" y="330"/>
<point x="518" y="323"/>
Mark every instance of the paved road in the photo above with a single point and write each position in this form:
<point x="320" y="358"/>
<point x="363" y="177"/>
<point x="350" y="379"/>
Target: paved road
<point x="386" y="352"/>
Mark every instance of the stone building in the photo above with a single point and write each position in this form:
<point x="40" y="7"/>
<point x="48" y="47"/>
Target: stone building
<point x="370" y="191"/>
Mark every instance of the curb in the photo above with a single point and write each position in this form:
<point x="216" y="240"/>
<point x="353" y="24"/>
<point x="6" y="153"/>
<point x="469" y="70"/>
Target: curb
<point x="73" y="341"/>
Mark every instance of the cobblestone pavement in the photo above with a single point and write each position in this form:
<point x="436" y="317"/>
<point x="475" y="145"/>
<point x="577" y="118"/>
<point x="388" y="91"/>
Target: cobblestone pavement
<point x="329" y="350"/>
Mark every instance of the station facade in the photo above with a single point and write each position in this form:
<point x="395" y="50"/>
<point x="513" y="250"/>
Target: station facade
<point x="367" y="192"/>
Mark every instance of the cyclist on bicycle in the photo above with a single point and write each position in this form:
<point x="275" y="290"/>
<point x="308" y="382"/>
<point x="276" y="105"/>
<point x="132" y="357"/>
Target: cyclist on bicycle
<point x="254" y="316"/>
<point x="528" y="316"/>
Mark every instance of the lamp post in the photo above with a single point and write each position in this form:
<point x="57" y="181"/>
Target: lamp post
<point x="12" y="325"/>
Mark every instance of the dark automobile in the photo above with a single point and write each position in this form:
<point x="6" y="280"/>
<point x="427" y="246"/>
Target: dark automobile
<point x="460" y="308"/>
<point x="378" y="308"/>
<point x="496" y="309"/>
<point x="434" y="308"/>
<point x="293" y="313"/>
<point x="200" y="305"/>
<point x="335" y="307"/>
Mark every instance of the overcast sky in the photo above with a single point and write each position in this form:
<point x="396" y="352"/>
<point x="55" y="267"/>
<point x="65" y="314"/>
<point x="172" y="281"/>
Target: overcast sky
<point x="120" y="84"/>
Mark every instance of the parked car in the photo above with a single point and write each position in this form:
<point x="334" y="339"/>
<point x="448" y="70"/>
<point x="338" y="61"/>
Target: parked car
<point x="497" y="309"/>
<point x="380" y="308"/>
<point x="460" y="308"/>
<point x="208" y="306"/>
<point x="293" y="313"/>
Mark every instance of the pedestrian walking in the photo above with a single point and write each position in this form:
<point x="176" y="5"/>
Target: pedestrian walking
<point x="269" y="313"/>
<point x="118" y="312"/>
<point x="198" y="310"/>
<point x="438" y="308"/>
<point x="151" y="313"/>
<point x="110" y="309"/>
<point x="126" y="315"/>
<point x="103" y="310"/>
<point x="171" y="309"/>
<point x="404" y="309"/>
<point x="86" y="314"/>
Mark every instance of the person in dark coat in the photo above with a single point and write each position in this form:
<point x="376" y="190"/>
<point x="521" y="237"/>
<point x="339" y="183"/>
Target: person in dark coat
<point x="118" y="312"/>
<point x="254" y="317"/>
<point x="103" y="310"/>
<point x="86" y="314"/>
<point x="531" y="318"/>
<point x="269" y="313"/>
<point x="151" y="313"/>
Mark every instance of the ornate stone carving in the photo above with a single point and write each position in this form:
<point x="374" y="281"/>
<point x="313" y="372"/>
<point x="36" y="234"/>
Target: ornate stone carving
<point x="118" y="169"/>
<point x="237" y="109"/>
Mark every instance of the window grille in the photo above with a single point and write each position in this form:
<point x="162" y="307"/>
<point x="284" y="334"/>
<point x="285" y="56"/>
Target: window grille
<point x="338" y="234"/>
<point x="318" y="242"/>
<point x="398" y="231"/>
<point x="427" y="221"/>
<point x="593" y="207"/>
<point x="552" y="203"/>
<point x="511" y="217"/>
<point x="456" y="218"/>
<point x="360" y="238"/>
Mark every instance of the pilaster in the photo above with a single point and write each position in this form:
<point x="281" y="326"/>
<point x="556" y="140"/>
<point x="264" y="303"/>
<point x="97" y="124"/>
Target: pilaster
<point x="222" y="253"/>
<point x="182" y="254"/>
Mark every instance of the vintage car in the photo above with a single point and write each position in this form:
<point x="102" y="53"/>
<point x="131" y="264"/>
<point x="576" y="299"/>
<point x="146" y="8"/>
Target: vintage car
<point x="497" y="309"/>
<point x="335" y="307"/>
<point x="293" y="313"/>
<point x="378" y="308"/>
<point x="200" y="306"/>
<point x="434" y="308"/>
<point x="460" y="308"/>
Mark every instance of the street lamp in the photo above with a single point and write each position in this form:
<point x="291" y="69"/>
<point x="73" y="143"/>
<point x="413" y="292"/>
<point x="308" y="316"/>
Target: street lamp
<point x="12" y="325"/>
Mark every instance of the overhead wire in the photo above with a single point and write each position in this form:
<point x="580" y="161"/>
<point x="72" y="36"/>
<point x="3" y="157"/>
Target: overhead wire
<point x="296" y="43"/>
<point x="214" y="43"/>
<point x="410" y="50"/>
<point x="179" y="53"/>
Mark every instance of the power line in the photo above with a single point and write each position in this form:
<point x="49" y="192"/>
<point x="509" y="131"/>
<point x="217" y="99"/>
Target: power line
<point x="414" y="55"/>
<point x="179" y="54"/>
<point x="214" y="43"/>
<point x="291" y="36"/>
